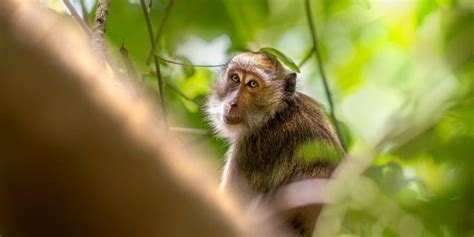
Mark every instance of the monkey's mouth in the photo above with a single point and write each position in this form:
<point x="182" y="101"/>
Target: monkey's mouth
<point x="232" y="119"/>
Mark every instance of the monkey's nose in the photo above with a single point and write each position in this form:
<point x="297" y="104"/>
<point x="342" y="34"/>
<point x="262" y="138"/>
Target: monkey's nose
<point x="233" y="104"/>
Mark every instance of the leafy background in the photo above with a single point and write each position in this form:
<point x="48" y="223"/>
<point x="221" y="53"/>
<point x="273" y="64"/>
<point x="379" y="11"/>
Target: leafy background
<point x="401" y="73"/>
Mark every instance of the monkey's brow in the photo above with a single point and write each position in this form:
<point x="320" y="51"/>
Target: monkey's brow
<point x="251" y="66"/>
<point x="257" y="71"/>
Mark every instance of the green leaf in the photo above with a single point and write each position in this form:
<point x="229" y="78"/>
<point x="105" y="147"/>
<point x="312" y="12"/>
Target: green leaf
<point x="318" y="151"/>
<point x="281" y="57"/>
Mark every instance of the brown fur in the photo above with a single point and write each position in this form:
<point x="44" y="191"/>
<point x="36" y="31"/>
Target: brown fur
<point x="264" y="157"/>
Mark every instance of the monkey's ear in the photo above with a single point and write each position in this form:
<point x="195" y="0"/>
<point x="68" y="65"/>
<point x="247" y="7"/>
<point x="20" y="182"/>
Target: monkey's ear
<point x="290" y="81"/>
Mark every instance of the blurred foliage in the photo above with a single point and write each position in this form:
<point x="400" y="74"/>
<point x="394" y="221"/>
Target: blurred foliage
<point x="326" y="153"/>
<point x="401" y="73"/>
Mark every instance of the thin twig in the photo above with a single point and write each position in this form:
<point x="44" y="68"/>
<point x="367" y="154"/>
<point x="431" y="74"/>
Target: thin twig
<point x="189" y="64"/>
<point x="99" y="28"/>
<point x="323" y="74"/>
<point x="307" y="56"/>
<point x="201" y="139"/>
<point x="160" y="28"/>
<point x="98" y="36"/>
<point x="157" y="63"/>
<point x="85" y="14"/>
<point x="194" y="131"/>
<point x="76" y="16"/>
<point x="131" y="72"/>
<point x="177" y="91"/>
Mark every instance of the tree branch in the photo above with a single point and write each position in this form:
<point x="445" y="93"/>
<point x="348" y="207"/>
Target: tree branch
<point x="117" y="131"/>
<point x="302" y="193"/>
<point x="99" y="29"/>
<point x="131" y="72"/>
<point x="191" y="65"/>
<point x="85" y="14"/>
<point x="177" y="91"/>
<point x="157" y="63"/>
<point x="76" y="16"/>
<point x="307" y="56"/>
<point x="323" y="74"/>
<point x="160" y="28"/>
<point x="193" y="131"/>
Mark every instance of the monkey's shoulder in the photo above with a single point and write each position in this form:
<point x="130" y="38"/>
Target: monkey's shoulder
<point x="301" y="121"/>
<point x="309" y="106"/>
<point x="302" y="117"/>
<point x="306" y="99"/>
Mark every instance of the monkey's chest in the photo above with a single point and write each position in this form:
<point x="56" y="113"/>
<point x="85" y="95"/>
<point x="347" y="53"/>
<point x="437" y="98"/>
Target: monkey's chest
<point x="266" y="170"/>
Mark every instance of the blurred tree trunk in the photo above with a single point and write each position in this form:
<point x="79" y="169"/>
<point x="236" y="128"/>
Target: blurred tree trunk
<point x="82" y="157"/>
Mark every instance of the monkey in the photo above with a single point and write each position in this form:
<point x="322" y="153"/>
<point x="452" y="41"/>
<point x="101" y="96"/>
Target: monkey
<point x="255" y="106"/>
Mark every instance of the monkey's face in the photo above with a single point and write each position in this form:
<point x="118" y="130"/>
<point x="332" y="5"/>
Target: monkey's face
<point x="247" y="94"/>
<point x="242" y="96"/>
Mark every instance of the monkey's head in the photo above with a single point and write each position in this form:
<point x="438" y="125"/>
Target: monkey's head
<point x="248" y="92"/>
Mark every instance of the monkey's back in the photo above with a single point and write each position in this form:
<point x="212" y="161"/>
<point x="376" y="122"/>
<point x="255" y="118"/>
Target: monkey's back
<point x="272" y="157"/>
<point x="293" y="145"/>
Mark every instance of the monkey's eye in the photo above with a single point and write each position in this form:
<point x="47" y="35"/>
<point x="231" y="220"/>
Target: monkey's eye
<point x="252" y="83"/>
<point x="235" y="78"/>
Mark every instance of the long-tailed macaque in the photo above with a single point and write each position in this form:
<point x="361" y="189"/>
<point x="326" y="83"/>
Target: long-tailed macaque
<point x="277" y="135"/>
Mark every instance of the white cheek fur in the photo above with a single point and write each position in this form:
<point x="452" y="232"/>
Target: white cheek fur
<point x="215" y="113"/>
